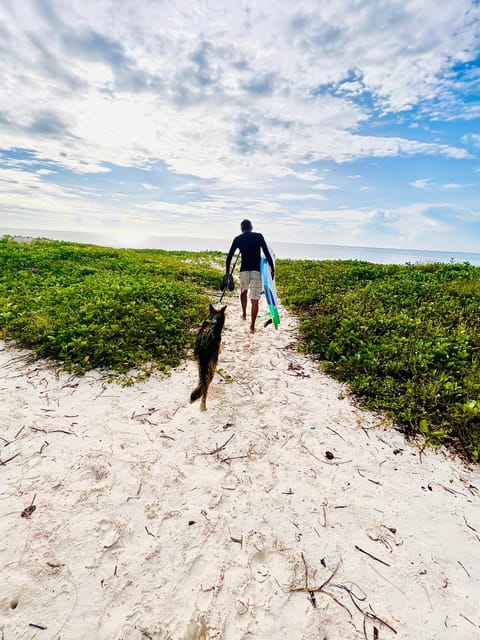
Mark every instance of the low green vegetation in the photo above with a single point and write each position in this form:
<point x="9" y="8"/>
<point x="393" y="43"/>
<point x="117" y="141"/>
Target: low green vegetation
<point x="406" y="339"/>
<point x="88" y="306"/>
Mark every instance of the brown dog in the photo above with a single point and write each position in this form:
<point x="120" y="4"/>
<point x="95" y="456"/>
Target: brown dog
<point x="207" y="348"/>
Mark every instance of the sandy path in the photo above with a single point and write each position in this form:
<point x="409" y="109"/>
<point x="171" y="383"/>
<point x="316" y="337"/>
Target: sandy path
<point x="156" y="521"/>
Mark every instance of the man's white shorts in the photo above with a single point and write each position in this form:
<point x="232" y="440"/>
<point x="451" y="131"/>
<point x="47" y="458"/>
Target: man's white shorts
<point x="251" y="280"/>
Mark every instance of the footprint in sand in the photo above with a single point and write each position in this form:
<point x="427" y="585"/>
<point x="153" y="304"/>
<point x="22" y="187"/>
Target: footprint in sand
<point x="110" y="533"/>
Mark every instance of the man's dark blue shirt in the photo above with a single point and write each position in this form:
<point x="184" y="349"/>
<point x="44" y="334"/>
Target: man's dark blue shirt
<point x="249" y="243"/>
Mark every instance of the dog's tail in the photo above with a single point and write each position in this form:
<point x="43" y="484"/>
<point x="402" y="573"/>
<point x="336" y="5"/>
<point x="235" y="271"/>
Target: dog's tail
<point x="196" y="393"/>
<point x="205" y="375"/>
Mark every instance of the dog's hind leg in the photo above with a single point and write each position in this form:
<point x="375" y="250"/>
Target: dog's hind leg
<point x="208" y="379"/>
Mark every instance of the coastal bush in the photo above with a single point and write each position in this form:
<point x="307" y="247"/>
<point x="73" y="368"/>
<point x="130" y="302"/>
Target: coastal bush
<point x="90" y="306"/>
<point x="406" y="339"/>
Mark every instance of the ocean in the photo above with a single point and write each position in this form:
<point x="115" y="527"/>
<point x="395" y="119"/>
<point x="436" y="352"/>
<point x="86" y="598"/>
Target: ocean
<point x="300" y="251"/>
<point x="291" y="250"/>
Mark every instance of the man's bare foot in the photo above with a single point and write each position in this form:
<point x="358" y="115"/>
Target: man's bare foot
<point x="244" y="316"/>
<point x="252" y="329"/>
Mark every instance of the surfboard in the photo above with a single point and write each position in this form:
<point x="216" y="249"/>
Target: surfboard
<point x="269" y="291"/>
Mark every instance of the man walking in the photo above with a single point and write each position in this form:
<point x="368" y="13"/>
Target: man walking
<point x="249" y="243"/>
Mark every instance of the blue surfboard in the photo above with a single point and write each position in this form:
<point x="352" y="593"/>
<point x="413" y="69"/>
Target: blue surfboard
<point x="269" y="291"/>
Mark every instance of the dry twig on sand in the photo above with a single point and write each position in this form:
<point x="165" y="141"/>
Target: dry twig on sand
<point x="371" y="556"/>
<point x="211" y="453"/>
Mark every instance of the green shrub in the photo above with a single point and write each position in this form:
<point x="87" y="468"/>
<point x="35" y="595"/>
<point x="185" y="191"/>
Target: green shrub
<point x="405" y="338"/>
<point x="90" y="306"/>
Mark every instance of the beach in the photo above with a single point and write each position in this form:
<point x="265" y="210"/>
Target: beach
<point x="283" y="511"/>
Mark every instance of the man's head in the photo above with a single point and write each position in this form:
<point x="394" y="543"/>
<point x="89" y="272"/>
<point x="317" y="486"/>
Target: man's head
<point x="246" y="225"/>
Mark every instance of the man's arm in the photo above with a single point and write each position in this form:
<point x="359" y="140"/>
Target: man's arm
<point x="230" y="256"/>
<point x="268" y="256"/>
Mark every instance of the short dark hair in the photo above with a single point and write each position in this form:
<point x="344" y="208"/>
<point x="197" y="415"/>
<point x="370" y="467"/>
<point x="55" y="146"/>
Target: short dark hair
<point x="246" y="225"/>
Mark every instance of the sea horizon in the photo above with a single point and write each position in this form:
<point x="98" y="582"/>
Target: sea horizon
<point x="283" y="250"/>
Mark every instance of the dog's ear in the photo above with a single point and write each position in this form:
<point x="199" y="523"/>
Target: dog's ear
<point x="212" y="308"/>
<point x="223" y="309"/>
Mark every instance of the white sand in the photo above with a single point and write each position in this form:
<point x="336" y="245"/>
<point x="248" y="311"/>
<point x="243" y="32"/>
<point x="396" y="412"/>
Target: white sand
<point x="156" y="521"/>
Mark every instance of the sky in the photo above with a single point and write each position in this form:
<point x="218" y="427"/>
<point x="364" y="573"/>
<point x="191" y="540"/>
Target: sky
<point x="354" y="122"/>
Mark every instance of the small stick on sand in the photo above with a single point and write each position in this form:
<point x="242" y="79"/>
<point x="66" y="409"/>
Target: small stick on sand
<point x="308" y="589"/>
<point x="336" y="433"/>
<point x="137" y="496"/>
<point x="3" y="462"/>
<point x="69" y="433"/>
<point x="210" y="453"/>
<point x="372" y="556"/>
<point x="469" y="525"/>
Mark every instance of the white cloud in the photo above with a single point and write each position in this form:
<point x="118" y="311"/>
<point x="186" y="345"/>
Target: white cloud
<point x="426" y="183"/>
<point x="341" y="217"/>
<point x="323" y="186"/>
<point x="422" y="183"/>
<point x="454" y="185"/>
<point x="300" y="196"/>
<point x="352" y="87"/>
<point x="472" y="138"/>
<point x="426" y="225"/>
<point x="241" y="100"/>
<point x="187" y="186"/>
<point x="208" y="93"/>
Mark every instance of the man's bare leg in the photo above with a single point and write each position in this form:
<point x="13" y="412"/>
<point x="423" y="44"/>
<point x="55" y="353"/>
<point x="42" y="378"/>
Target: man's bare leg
<point x="254" y="315"/>
<point x="243" y="300"/>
